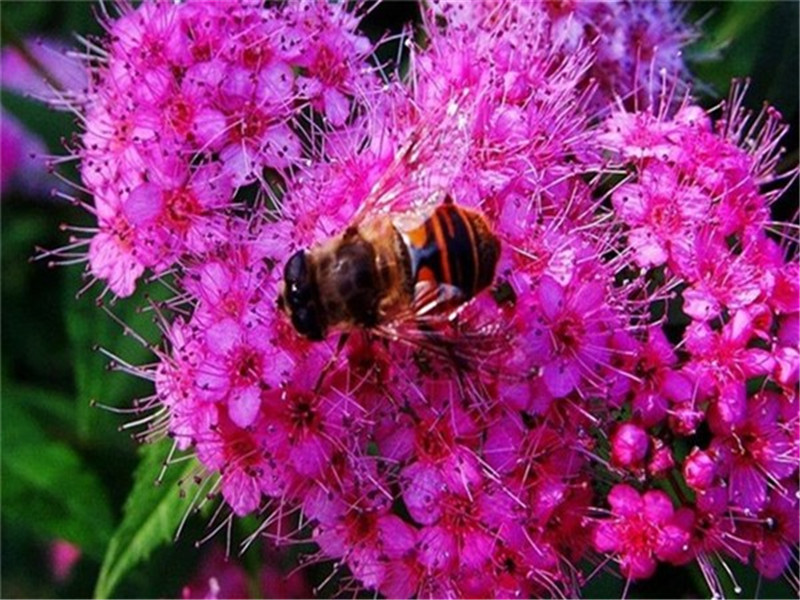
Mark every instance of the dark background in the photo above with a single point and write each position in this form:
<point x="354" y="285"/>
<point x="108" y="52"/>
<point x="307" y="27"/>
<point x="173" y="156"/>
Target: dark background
<point x="66" y="468"/>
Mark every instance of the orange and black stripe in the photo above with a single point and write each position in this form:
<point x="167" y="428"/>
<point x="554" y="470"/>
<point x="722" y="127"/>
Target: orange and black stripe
<point x="454" y="246"/>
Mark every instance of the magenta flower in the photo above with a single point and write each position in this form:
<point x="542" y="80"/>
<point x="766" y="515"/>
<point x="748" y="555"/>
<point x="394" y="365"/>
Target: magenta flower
<point x="700" y="469"/>
<point x="569" y="333"/>
<point x="659" y="209"/>
<point x="659" y="383"/>
<point x="63" y="556"/>
<point x="23" y="157"/>
<point x="722" y="361"/>
<point x="331" y="67"/>
<point x="641" y="532"/>
<point x="778" y="537"/>
<point x="756" y="452"/>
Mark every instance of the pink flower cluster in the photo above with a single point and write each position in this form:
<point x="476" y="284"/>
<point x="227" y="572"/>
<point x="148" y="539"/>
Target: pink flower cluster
<point x="217" y="576"/>
<point x="647" y="299"/>
<point x="187" y="104"/>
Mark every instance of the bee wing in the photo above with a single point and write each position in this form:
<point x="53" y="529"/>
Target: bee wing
<point x="433" y="299"/>
<point x="439" y="323"/>
<point x="423" y="169"/>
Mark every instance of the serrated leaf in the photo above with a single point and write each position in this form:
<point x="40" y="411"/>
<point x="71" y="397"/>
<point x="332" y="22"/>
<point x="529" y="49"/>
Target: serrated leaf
<point x="151" y="517"/>
<point x="88" y="327"/>
<point x="46" y="484"/>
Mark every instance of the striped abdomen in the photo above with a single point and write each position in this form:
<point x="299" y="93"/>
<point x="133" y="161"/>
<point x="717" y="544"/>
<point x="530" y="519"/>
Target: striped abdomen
<point x="455" y="246"/>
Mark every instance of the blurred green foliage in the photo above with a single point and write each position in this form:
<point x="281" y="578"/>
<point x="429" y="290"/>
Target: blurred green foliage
<point x="67" y="471"/>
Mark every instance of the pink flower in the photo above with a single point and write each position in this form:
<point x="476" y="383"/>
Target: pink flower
<point x="569" y="333"/>
<point x="639" y="135"/>
<point x="63" y="558"/>
<point x="778" y="538"/>
<point x="240" y="361"/>
<point x="659" y="382"/>
<point x="719" y="279"/>
<point x="330" y="65"/>
<point x="354" y="525"/>
<point x="23" y="155"/>
<point x="190" y="104"/>
<point x="640" y="532"/>
<point x="659" y="209"/>
<point x="65" y="75"/>
<point x="305" y="426"/>
<point x="112" y="259"/>
<point x="178" y="212"/>
<point x="722" y="361"/>
<point x="699" y="469"/>
<point x="247" y="122"/>
<point x="755" y="453"/>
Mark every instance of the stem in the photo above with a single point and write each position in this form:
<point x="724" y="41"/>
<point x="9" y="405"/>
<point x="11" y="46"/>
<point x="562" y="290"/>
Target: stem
<point x="678" y="488"/>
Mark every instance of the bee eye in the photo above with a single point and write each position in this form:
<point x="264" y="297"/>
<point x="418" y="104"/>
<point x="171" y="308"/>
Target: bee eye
<point x="298" y="297"/>
<point x="296" y="281"/>
<point x="295" y="273"/>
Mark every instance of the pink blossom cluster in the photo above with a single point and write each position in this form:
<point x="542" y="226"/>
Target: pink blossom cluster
<point x="696" y="211"/>
<point x="633" y="43"/>
<point x="638" y="400"/>
<point x="189" y="103"/>
<point x="218" y="576"/>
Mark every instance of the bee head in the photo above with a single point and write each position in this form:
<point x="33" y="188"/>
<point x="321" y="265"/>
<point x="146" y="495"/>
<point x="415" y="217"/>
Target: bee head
<point x="298" y="298"/>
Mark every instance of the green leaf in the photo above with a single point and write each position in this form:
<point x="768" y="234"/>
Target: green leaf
<point x="88" y="327"/>
<point x="53" y="408"/>
<point x="23" y="16"/>
<point x="151" y="517"/>
<point x="46" y="484"/>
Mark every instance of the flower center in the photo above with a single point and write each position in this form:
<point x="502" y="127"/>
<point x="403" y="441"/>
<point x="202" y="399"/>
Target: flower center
<point x="331" y="70"/>
<point x="250" y="126"/>
<point x="362" y="524"/>
<point x="432" y="443"/>
<point x="179" y="114"/>
<point x="256" y="55"/>
<point x="246" y="367"/>
<point x="123" y="233"/>
<point x="181" y="207"/>
<point x="665" y="216"/>
<point x="568" y="333"/>
<point x="303" y="411"/>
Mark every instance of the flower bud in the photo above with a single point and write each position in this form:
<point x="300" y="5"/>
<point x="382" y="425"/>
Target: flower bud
<point x="629" y="446"/>
<point x="699" y="470"/>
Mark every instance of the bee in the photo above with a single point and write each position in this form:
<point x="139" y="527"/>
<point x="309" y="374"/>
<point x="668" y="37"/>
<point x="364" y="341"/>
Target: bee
<point x="390" y="268"/>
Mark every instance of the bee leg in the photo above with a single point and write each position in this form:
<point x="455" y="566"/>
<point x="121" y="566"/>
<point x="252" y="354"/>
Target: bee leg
<point x="332" y="361"/>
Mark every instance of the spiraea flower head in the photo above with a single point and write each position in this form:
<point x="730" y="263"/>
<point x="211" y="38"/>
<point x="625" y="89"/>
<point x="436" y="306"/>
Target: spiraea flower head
<point x="639" y="336"/>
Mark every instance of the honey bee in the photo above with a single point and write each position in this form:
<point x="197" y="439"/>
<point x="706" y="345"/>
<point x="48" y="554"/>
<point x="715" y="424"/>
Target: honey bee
<point x="388" y="268"/>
